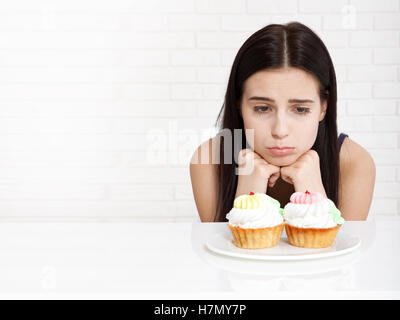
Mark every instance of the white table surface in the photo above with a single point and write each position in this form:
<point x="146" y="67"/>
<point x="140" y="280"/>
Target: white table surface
<point x="170" y="261"/>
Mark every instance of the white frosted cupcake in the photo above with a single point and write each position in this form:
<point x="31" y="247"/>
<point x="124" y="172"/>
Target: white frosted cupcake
<point x="311" y="220"/>
<point x="255" y="221"/>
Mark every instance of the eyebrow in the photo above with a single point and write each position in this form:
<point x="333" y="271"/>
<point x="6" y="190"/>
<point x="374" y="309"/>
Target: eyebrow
<point x="290" y="100"/>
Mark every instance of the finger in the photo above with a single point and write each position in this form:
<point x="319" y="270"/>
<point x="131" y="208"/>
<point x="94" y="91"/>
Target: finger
<point x="274" y="177"/>
<point x="244" y="155"/>
<point x="272" y="180"/>
<point x="287" y="179"/>
<point x="286" y="174"/>
<point x="241" y="154"/>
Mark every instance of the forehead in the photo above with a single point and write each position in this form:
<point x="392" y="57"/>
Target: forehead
<point x="282" y="84"/>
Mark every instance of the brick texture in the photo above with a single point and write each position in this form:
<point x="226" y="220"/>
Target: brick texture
<point x="103" y="102"/>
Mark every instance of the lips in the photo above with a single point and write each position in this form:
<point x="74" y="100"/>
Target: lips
<point x="281" y="151"/>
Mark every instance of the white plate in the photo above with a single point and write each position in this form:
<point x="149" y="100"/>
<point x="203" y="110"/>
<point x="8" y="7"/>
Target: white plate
<point x="222" y="243"/>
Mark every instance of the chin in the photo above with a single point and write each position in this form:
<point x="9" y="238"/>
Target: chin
<point x="281" y="161"/>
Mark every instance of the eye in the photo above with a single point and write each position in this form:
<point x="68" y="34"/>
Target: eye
<point x="302" y="110"/>
<point x="261" y="109"/>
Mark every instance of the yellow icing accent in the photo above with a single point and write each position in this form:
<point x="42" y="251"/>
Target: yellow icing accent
<point x="246" y="201"/>
<point x="255" y="201"/>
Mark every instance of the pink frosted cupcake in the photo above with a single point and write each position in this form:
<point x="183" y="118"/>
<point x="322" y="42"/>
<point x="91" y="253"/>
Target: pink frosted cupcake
<point x="311" y="220"/>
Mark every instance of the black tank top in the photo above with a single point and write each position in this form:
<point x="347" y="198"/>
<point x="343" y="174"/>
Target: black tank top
<point x="341" y="138"/>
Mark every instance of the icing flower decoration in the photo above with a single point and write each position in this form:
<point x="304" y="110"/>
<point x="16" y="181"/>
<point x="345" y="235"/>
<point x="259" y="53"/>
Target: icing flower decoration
<point x="316" y="197"/>
<point x="254" y="201"/>
<point x="306" y="197"/>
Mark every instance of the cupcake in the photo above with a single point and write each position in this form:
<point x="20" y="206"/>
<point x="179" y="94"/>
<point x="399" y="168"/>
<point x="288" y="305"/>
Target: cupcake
<point x="311" y="220"/>
<point x="255" y="221"/>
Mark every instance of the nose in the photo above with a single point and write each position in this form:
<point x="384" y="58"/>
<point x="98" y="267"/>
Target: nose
<point x="279" y="128"/>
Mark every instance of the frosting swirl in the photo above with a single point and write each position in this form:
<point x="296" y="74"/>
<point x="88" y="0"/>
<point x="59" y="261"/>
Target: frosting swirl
<point x="306" y="197"/>
<point x="254" y="201"/>
<point x="311" y="210"/>
<point x="255" y="211"/>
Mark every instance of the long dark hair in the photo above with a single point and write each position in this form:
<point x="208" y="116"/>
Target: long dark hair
<point x="275" y="46"/>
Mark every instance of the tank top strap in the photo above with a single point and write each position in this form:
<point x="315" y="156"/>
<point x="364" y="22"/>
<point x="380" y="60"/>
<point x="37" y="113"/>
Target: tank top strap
<point x="341" y="138"/>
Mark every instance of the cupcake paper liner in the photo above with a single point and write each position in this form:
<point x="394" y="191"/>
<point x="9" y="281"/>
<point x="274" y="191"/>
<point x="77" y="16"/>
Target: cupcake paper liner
<point x="256" y="238"/>
<point x="311" y="237"/>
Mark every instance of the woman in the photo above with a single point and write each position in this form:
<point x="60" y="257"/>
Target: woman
<point x="280" y="105"/>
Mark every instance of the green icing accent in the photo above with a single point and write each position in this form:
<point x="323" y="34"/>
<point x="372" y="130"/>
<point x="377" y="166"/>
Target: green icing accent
<point x="273" y="201"/>
<point x="336" y="215"/>
<point x="276" y="203"/>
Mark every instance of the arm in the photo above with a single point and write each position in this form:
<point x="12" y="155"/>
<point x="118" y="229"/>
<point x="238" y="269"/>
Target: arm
<point x="203" y="175"/>
<point x="254" y="177"/>
<point x="356" y="181"/>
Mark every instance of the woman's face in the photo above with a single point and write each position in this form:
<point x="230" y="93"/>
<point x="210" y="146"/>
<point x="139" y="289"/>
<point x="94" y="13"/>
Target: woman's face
<point x="284" y="109"/>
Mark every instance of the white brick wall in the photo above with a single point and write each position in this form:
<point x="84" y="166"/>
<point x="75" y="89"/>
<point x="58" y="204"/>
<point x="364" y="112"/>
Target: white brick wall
<point x="103" y="102"/>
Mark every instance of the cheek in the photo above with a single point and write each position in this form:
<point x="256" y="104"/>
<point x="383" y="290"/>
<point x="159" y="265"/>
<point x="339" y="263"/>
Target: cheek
<point x="306" y="135"/>
<point x="309" y="135"/>
<point x="257" y="136"/>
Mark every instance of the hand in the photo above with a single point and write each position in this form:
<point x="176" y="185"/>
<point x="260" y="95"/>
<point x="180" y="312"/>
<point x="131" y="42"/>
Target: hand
<point x="255" y="174"/>
<point x="305" y="173"/>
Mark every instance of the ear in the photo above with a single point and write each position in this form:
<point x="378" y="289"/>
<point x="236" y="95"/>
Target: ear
<point x="324" y="106"/>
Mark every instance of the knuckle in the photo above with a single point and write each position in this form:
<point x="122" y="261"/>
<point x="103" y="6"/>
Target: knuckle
<point x="241" y="153"/>
<point x="315" y="155"/>
<point x="259" y="166"/>
<point x="311" y="155"/>
<point x="313" y="152"/>
<point x="244" y="152"/>
<point x="263" y="168"/>
<point x="245" y="157"/>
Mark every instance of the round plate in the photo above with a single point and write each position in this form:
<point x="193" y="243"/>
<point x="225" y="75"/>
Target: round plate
<point x="222" y="243"/>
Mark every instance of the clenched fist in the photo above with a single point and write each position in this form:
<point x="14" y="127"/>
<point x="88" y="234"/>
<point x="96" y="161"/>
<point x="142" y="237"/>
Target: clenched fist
<point x="255" y="174"/>
<point x="305" y="173"/>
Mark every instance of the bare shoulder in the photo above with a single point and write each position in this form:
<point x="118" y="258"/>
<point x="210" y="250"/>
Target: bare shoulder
<point x="356" y="180"/>
<point x="352" y="156"/>
<point x="204" y="178"/>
